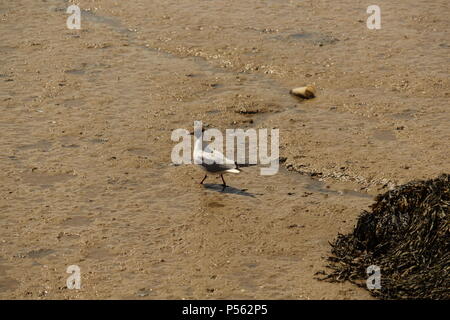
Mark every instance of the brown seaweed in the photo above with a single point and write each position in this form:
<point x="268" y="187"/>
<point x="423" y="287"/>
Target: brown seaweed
<point x="407" y="235"/>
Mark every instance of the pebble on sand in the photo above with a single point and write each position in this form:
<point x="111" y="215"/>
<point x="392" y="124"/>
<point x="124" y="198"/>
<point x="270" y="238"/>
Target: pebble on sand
<point x="307" y="92"/>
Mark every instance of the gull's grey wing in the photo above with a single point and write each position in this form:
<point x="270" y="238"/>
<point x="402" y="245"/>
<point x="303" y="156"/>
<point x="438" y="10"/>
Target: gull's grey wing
<point x="216" y="167"/>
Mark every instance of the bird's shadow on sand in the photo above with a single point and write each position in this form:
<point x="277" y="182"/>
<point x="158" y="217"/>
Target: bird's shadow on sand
<point x="228" y="189"/>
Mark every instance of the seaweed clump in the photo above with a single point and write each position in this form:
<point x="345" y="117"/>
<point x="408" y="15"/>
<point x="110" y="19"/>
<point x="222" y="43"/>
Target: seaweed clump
<point x="407" y="235"/>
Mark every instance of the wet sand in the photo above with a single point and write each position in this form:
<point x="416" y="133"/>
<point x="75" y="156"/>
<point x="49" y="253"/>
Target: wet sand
<point x="87" y="117"/>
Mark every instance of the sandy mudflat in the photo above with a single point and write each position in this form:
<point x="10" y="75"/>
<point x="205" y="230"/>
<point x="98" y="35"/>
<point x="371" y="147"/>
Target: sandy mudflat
<point x="87" y="116"/>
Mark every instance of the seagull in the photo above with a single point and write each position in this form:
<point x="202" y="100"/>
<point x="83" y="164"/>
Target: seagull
<point x="213" y="162"/>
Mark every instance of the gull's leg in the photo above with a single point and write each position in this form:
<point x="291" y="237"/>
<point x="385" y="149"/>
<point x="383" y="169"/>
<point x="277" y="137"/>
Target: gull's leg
<point x="224" y="183"/>
<point x="204" y="179"/>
